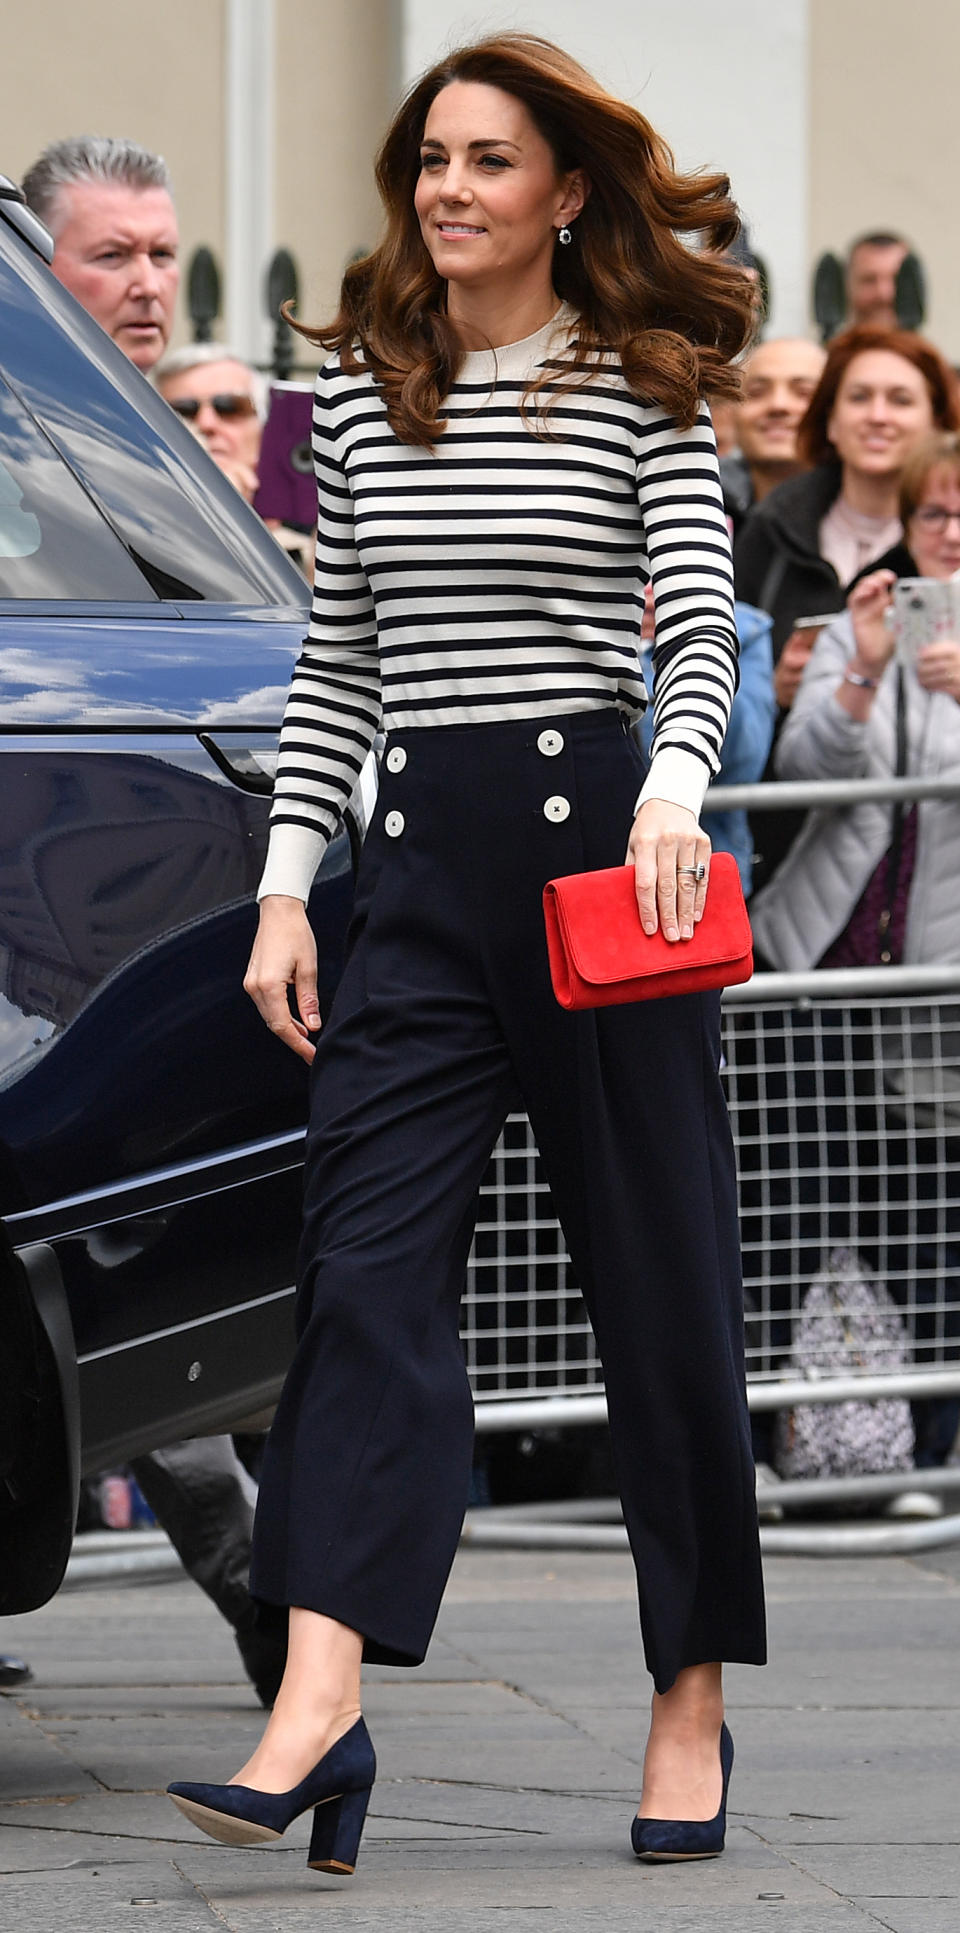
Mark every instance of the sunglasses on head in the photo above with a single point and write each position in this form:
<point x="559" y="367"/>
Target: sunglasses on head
<point x="228" y="404"/>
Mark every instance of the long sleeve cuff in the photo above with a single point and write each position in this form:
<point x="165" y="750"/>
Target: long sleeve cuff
<point x="293" y="855"/>
<point x="679" y="777"/>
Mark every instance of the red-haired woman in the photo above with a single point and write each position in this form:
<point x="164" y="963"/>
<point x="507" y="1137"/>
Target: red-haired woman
<point x="509" y="440"/>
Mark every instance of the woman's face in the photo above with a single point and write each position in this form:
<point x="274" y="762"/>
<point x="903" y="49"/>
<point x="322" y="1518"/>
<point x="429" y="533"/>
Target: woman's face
<point x="882" y="406"/>
<point x="933" y="537"/>
<point x="490" y="199"/>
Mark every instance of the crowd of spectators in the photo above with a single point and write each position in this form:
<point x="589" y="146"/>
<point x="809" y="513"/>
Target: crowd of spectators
<point x="827" y="506"/>
<point x="845" y="477"/>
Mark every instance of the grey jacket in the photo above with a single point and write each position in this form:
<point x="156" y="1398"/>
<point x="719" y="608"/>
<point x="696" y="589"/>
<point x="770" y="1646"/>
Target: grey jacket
<point x="813" y="893"/>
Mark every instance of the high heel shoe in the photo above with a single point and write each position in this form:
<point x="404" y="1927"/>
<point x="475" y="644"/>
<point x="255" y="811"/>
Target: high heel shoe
<point x="338" y="1789"/>
<point x="687" y="1838"/>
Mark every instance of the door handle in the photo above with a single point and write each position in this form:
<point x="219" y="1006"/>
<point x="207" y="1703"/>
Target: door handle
<point x="252" y="770"/>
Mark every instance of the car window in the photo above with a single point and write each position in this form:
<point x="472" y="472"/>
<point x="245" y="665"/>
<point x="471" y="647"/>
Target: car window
<point x="184" y="526"/>
<point x="53" y="541"/>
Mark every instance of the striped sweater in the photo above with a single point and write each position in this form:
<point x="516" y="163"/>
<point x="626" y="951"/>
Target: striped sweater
<point x="501" y="576"/>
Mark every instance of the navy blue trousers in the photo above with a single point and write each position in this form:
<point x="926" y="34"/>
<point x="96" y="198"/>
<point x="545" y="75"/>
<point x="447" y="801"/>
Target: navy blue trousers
<point x="445" y="1020"/>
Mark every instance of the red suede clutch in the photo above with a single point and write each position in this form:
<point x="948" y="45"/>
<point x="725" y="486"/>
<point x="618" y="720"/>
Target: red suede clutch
<point x="600" y="955"/>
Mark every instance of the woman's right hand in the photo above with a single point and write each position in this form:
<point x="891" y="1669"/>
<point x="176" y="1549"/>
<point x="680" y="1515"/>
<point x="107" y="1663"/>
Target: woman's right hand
<point x="868" y="604"/>
<point x="285" y="955"/>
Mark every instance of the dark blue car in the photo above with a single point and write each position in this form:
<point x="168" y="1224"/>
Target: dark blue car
<point x="150" y="1130"/>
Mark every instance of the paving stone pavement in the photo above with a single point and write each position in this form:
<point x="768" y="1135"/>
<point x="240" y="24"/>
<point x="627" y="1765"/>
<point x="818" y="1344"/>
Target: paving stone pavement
<point x="509" y="1764"/>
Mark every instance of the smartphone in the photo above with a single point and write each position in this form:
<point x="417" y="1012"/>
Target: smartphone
<point x="924" y="609"/>
<point x="812" y="626"/>
<point x="816" y="623"/>
<point x="287" y="489"/>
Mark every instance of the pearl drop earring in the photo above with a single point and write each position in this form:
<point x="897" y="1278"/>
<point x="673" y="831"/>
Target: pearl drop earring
<point x="564" y="237"/>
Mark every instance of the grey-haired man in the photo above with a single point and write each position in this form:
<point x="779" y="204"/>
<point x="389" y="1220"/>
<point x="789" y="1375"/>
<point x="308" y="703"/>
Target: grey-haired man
<point x="109" y="207"/>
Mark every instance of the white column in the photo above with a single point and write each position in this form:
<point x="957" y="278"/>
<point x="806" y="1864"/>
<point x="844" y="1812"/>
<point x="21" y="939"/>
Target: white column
<point x="249" y="174"/>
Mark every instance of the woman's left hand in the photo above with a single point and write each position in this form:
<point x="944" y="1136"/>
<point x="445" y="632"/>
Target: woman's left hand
<point x="938" y="667"/>
<point x="665" y="847"/>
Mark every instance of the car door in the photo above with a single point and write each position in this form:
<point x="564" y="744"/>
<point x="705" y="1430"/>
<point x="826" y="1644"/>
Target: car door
<point x="150" y="1128"/>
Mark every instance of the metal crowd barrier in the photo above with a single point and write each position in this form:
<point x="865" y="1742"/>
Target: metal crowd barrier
<point x="844" y="1095"/>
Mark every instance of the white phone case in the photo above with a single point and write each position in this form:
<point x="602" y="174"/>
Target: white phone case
<point x="924" y="609"/>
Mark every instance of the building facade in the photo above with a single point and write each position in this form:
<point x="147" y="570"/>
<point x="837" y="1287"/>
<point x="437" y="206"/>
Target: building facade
<point x="831" y="116"/>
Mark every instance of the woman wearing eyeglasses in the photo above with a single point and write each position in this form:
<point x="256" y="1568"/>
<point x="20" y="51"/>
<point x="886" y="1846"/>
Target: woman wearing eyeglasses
<point x="843" y="724"/>
<point x="865" y="885"/>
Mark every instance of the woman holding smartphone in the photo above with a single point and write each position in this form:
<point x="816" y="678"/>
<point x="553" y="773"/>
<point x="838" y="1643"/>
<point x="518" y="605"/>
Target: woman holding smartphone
<point x="870" y="885"/>
<point x="843" y="724"/>
<point x="509" y="439"/>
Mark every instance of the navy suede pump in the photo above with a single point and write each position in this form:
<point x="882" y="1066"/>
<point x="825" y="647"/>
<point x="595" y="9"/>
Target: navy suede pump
<point x="338" y="1789"/>
<point x="687" y="1838"/>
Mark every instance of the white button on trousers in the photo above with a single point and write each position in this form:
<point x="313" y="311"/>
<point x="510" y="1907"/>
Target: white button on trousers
<point x="557" y="808"/>
<point x="550" y="743"/>
<point x="393" y="824"/>
<point x="396" y="758"/>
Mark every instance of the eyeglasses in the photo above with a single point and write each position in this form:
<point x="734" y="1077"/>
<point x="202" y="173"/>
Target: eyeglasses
<point x="935" y="517"/>
<point x="229" y="404"/>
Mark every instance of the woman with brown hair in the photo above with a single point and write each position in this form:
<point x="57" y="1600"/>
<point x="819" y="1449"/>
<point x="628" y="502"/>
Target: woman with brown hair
<point x="509" y="441"/>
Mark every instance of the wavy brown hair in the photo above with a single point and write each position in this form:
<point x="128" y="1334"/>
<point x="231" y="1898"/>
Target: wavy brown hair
<point x="676" y="318"/>
<point x="813" y="443"/>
